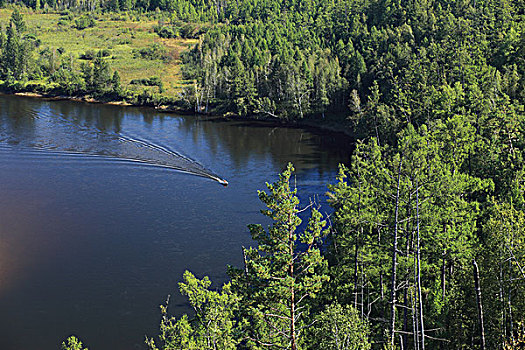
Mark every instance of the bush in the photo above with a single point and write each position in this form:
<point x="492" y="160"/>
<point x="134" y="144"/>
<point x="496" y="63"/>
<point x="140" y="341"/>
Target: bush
<point x="153" y="81"/>
<point x="340" y="327"/>
<point x="166" y="32"/>
<point x="72" y="343"/>
<point x="84" y="22"/>
<point x="123" y="41"/>
<point x="91" y="54"/>
<point x="147" y="98"/>
<point x="153" y="52"/>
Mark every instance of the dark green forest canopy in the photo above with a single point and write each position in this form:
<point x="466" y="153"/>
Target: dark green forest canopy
<point x="383" y="63"/>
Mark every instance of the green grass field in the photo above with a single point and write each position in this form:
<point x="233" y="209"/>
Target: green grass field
<point x="120" y="34"/>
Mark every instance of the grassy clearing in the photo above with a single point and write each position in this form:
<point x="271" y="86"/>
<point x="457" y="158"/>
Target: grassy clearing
<point x="119" y="34"/>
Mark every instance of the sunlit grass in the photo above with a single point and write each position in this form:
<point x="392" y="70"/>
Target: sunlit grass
<point x="119" y="34"/>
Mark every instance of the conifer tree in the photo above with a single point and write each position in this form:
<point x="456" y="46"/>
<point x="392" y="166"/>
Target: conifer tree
<point x="101" y="74"/>
<point x="284" y="273"/>
<point x="115" y="84"/>
<point x="18" y="21"/>
<point x="10" y="51"/>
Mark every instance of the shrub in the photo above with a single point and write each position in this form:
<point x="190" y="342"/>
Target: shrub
<point x="166" y="32"/>
<point x="153" y="81"/>
<point x="340" y="327"/>
<point x="153" y="52"/>
<point x="84" y="22"/>
<point x="91" y="54"/>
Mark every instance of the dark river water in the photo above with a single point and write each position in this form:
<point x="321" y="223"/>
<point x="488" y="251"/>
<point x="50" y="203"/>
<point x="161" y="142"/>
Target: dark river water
<point x="102" y="208"/>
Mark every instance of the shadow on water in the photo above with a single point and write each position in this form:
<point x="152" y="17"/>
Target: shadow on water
<point x="243" y="141"/>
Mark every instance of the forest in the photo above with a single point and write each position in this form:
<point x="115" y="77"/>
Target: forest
<point x="425" y="245"/>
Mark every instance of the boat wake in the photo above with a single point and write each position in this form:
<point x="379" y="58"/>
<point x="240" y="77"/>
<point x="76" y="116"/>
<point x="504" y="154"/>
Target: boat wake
<point x="58" y="134"/>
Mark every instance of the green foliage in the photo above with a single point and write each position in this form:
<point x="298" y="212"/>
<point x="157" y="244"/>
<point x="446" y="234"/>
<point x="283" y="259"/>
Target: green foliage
<point x="237" y="65"/>
<point x="153" y="52"/>
<point x="280" y="277"/>
<point x="153" y="81"/>
<point x="307" y="57"/>
<point x="72" y="343"/>
<point x="213" y="326"/>
<point x="15" y="49"/>
<point x="401" y="217"/>
<point x="84" y="22"/>
<point x="18" y="21"/>
<point x="115" y="84"/>
<point x="101" y="75"/>
<point x="92" y="54"/>
<point x="340" y="328"/>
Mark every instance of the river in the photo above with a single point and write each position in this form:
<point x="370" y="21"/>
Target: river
<point x="102" y="208"/>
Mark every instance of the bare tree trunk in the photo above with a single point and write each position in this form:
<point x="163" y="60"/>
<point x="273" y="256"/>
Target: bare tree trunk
<point x="510" y="311"/>
<point x="443" y="278"/>
<point x="356" y="267"/>
<point x="362" y="292"/>
<point x="356" y="253"/>
<point x="393" y="283"/>
<point x="405" y="319"/>
<point x="415" y="322"/>
<point x="415" y="309"/>
<point x="503" y="308"/>
<point x="409" y="245"/>
<point x="292" y="297"/>
<point x="381" y="285"/>
<point x="418" y="252"/>
<point x="477" y="287"/>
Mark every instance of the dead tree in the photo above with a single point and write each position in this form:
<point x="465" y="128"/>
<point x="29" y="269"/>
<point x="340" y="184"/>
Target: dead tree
<point x="477" y="287"/>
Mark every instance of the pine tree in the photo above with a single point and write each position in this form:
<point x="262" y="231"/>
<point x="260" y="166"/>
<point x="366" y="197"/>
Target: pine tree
<point x="101" y="74"/>
<point x="87" y="74"/>
<point x="18" y="21"/>
<point x="115" y="84"/>
<point x="283" y="274"/>
<point x="10" y="52"/>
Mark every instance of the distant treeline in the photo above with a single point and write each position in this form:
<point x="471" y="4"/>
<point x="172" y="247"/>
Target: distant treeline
<point x="383" y="63"/>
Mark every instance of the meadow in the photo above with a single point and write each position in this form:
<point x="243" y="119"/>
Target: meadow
<point x="121" y="36"/>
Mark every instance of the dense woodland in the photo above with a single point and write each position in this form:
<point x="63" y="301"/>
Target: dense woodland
<point x="425" y="246"/>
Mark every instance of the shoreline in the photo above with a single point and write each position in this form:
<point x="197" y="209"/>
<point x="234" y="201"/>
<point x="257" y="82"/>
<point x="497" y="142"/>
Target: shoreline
<point x="332" y="126"/>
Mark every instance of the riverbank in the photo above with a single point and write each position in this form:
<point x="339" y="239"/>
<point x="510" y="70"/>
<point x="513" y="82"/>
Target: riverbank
<point x="330" y="123"/>
<point x="119" y="59"/>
